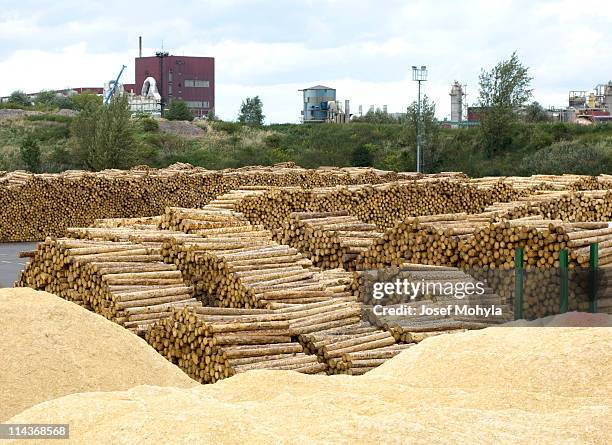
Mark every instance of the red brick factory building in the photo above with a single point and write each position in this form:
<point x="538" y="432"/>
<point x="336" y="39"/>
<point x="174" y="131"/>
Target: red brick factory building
<point x="186" y="78"/>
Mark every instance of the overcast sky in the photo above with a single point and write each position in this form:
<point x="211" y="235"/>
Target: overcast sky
<point x="363" y="48"/>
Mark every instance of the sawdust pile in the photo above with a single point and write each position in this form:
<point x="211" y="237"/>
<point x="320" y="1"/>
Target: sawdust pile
<point x="51" y="347"/>
<point x="499" y="385"/>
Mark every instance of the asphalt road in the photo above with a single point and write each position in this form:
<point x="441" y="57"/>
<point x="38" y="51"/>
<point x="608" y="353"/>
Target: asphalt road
<point x="10" y="263"/>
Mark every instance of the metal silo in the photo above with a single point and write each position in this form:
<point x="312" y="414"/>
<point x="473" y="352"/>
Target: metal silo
<point x="316" y="101"/>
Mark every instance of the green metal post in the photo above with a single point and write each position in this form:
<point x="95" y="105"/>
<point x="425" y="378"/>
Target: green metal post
<point x="563" y="263"/>
<point x="593" y="265"/>
<point x="518" y="284"/>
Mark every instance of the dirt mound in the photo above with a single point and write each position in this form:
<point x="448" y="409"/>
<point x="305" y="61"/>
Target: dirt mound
<point x="499" y="385"/>
<point x="181" y="128"/>
<point x="51" y="347"/>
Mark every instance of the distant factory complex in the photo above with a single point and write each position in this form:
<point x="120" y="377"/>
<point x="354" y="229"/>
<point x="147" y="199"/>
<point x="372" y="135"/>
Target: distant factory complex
<point x="161" y="78"/>
<point x="158" y="80"/>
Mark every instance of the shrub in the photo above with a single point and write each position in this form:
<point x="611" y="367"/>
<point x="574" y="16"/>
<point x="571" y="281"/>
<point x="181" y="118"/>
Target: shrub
<point x="86" y="100"/>
<point x="30" y="153"/>
<point x="19" y="98"/>
<point x="178" y="111"/>
<point x="570" y="157"/>
<point x="227" y="127"/>
<point x="362" y="156"/>
<point x="147" y="124"/>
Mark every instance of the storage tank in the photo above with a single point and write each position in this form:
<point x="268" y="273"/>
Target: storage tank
<point x="456" y="95"/>
<point x="315" y="103"/>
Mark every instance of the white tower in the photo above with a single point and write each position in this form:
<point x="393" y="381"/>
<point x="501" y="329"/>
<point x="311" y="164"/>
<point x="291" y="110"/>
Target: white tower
<point x="456" y="95"/>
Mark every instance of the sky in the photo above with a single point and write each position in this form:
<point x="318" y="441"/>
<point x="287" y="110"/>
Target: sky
<point x="363" y="48"/>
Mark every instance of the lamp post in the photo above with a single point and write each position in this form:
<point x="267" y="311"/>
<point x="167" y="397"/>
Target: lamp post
<point x="419" y="75"/>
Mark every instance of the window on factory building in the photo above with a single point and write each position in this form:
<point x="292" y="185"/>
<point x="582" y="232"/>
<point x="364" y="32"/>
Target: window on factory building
<point x="197" y="83"/>
<point x="197" y="104"/>
<point x="170" y="76"/>
<point x="169" y="89"/>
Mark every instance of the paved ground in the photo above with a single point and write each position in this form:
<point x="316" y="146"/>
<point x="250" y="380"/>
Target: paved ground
<point x="10" y="263"/>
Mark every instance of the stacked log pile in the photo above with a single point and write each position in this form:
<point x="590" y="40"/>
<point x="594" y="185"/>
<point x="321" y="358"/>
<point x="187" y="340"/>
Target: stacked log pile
<point x="569" y="206"/>
<point x="77" y="198"/>
<point x="484" y="247"/>
<point x="210" y="344"/>
<point x="329" y="239"/>
<point x="382" y="205"/>
<point x="401" y="312"/>
<point x="490" y="254"/>
<point x="550" y="182"/>
<point x="432" y="240"/>
<point x="142" y="223"/>
<point x="360" y="362"/>
<point x="199" y="221"/>
<point x="334" y="346"/>
<point x="122" y="281"/>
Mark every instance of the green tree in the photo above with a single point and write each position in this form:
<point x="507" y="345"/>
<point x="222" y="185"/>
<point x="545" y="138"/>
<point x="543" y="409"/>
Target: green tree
<point x="211" y="116"/>
<point x="429" y="129"/>
<point x="503" y="91"/>
<point x="178" y="111"/>
<point x="251" y="112"/>
<point x="103" y="137"/>
<point x="85" y="100"/>
<point x="20" y="99"/>
<point x="30" y="153"/>
<point x="534" y="112"/>
<point x="361" y="156"/>
<point x="64" y="102"/>
<point x="45" y="98"/>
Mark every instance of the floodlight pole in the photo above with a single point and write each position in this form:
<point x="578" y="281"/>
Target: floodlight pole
<point x="419" y="166"/>
<point x="419" y="75"/>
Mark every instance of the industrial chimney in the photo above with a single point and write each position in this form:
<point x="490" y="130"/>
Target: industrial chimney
<point x="456" y="95"/>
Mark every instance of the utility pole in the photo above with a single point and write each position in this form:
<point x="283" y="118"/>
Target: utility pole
<point x="419" y="75"/>
<point x="161" y="55"/>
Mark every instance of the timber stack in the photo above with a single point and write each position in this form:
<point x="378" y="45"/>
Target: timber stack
<point x="329" y="239"/>
<point x="77" y="198"/>
<point x="210" y="344"/>
<point x="122" y="281"/>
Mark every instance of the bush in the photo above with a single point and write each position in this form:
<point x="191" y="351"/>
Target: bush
<point x="30" y="153"/>
<point x="362" y="156"/>
<point x="570" y="157"/>
<point x="178" y="111"/>
<point x="86" y="100"/>
<point x="49" y="117"/>
<point x="20" y="99"/>
<point x="64" y="103"/>
<point x="147" y="124"/>
<point x="45" y="98"/>
<point x="227" y="127"/>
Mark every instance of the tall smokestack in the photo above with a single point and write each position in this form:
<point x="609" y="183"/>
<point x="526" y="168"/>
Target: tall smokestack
<point x="139" y="46"/>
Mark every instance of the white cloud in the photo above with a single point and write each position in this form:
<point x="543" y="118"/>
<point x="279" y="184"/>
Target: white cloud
<point x="73" y="66"/>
